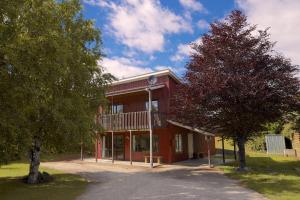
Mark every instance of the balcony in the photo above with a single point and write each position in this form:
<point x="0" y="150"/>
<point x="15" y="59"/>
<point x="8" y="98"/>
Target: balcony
<point x="131" y="121"/>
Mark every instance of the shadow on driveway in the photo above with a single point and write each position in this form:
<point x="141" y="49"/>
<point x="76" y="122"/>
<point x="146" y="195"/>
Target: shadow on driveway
<point x="174" y="182"/>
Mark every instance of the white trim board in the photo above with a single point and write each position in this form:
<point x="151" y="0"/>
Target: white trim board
<point x="145" y="76"/>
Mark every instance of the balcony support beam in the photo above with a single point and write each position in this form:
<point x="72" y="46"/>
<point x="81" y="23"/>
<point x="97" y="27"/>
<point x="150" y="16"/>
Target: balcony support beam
<point x="130" y="146"/>
<point x="150" y="126"/>
<point x="112" y="147"/>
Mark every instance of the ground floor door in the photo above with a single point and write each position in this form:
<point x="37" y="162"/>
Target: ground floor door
<point x="119" y="147"/>
<point x="190" y="145"/>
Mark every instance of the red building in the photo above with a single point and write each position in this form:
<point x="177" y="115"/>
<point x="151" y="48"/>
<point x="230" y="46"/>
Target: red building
<point x="126" y="121"/>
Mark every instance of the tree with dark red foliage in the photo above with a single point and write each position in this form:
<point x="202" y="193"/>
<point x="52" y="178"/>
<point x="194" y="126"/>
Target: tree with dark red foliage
<point x="235" y="82"/>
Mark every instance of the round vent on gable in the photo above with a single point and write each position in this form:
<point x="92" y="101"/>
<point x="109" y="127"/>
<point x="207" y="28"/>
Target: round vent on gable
<point x="152" y="80"/>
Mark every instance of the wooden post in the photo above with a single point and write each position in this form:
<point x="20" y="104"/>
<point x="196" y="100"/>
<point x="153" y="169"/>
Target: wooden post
<point x="234" y="149"/>
<point x="150" y="127"/>
<point x="97" y="143"/>
<point x="112" y="147"/>
<point x="130" y="146"/>
<point x="223" y="151"/>
<point x="208" y="150"/>
<point x="81" y="151"/>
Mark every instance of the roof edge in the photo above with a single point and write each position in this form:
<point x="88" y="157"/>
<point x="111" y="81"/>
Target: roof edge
<point x="203" y="132"/>
<point x="145" y="76"/>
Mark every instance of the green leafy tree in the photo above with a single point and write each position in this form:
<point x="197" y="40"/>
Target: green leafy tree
<point x="50" y="85"/>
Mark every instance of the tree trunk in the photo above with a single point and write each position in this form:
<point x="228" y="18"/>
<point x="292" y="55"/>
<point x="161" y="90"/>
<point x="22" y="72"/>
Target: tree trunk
<point x="34" y="156"/>
<point x="223" y="150"/>
<point x="234" y="149"/>
<point x="242" y="153"/>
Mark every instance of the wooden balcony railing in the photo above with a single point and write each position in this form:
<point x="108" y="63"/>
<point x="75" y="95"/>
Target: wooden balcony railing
<point x="131" y="121"/>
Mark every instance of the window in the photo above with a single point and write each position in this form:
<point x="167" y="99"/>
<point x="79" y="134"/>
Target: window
<point x="141" y="143"/>
<point x="117" y="109"/>
<point x="154" y="106"/>
<point x="178" y="143"/>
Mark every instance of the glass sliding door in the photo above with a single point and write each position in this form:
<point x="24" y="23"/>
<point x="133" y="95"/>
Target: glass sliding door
<point x="118" y="147"/>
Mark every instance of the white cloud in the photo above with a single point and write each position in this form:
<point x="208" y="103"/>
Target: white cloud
<point x="282" y="16"/>
<point x="193" y="5"/>
<point x="184" y="50"/>
<point x="177" y="70"/>
<point x="203" y="24"/>
<point x="101" y="3"/>
<point x="142" y="24"/>
<point x="122" y="67"/>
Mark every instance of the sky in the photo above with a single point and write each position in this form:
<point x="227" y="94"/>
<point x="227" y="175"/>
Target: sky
<point x="141" y="36"/>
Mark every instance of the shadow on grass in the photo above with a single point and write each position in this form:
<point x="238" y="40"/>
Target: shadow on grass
<point x="277" y="177"/>
<point x="266" y="164"/>
<point x="64" y="187"/>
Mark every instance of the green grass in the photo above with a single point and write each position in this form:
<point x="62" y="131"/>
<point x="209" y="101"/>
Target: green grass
<point x="276" y="177"/>
<point x="64" y="186"/>
<point x="228" y="145"/>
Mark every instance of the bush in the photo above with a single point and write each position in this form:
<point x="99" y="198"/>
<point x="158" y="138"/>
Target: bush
<point x="257" y="144"/>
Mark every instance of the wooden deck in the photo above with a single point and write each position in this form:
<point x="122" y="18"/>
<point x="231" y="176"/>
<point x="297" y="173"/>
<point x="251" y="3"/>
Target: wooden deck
<point x="131" y="121"/>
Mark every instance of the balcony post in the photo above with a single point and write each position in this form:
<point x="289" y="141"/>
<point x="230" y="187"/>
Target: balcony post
<point x="208" y="139"/>
<point x="130" y="146"/>
<point x="112" y="147"/>
<point x="150" y="126"/>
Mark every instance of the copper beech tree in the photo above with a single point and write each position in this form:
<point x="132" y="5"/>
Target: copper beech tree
<point x="235" y="82"/>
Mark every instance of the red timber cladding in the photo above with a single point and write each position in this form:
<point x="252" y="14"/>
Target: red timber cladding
<point x="166" y="145"/>
<point x="134" y="102"/>
<point x="98" y="149"/>
<point x="172" y="84"/>
<point x="137" y="84"/>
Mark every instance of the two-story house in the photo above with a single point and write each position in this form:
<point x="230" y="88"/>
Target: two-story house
<point x="126" y="123"/>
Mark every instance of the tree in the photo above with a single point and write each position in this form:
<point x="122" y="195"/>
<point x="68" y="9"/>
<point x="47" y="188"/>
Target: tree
<point x="50" y="84"/>
<point x="235" y="82"/>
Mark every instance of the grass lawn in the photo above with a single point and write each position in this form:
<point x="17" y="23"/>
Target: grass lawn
<point x="64" y="186"/>
<point x="276" y="177"/>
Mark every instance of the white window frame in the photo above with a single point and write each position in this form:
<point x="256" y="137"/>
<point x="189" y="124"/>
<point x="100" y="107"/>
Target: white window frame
<point x="178" y="143"/>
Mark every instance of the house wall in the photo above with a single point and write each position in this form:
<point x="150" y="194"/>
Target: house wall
<point x="134" y="102"/>
<point x="166" y="145"/>
<point x="137" y="84"/>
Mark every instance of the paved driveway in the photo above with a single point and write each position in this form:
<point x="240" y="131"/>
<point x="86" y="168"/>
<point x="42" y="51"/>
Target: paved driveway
<point x="119" y="182"/>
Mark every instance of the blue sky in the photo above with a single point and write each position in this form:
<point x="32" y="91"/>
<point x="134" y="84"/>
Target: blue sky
<point x="140" y="36"/>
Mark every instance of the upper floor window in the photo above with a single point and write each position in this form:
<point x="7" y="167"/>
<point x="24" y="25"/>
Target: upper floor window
<point x="117" y="109"/>
<point x="178" y="143"/>
<point x="154" y="105"/>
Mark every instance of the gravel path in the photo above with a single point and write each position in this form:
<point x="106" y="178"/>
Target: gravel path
<point x="119" y="182"/>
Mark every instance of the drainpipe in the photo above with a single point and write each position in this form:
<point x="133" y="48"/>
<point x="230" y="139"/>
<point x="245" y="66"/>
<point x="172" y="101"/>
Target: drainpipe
<point x="150" y="126"/>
